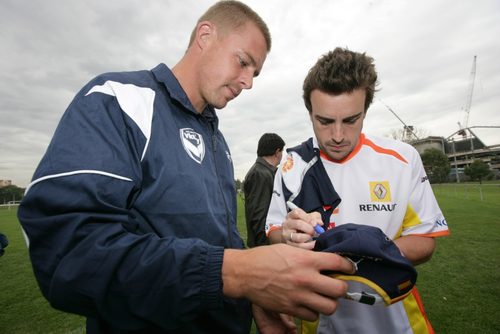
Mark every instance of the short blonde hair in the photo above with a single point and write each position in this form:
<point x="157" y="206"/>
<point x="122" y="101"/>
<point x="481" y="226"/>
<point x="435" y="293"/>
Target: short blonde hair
<point x="229" y="15"/>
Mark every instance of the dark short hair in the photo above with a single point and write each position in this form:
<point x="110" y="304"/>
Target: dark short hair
<point x="341" y="71"/>
<point x="269" y="143"/>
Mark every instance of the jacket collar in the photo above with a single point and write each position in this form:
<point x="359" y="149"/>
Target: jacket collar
<point x="165" y="76"/>
<point x="262" y="161"/>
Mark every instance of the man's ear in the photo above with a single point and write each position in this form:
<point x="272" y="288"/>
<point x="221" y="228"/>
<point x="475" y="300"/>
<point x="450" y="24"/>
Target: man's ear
<point x="205" y="31"/>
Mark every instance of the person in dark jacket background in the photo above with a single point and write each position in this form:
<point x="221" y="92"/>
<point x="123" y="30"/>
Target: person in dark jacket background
<point x="131" y="213"/>
<point x="4" y="242"/>
<point x="258" y="187"/>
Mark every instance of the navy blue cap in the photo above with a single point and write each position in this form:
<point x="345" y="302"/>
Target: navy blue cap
<point x="379" y="262"/>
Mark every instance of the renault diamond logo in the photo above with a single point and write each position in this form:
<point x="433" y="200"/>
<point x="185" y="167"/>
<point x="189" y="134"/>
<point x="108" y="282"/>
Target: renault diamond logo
<point x="193" y="144"/>
<point x="380" y="191"/>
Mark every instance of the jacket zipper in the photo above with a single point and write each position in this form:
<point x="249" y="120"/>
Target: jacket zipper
<point x="228" y="212"/>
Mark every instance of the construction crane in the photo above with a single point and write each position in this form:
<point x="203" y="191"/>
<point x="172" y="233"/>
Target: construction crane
<point x="407" y="129"/>
<point x="468" y="102"/>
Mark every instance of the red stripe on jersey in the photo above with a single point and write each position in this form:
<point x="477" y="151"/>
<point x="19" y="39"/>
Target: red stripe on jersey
<point x="356" y="149"/>
<point x="382" y="150"/>
<point x="416" y="295"/>
<point x="433" y="235"/>
<point x="273" y="228"/>
<point x="363" y="141"/>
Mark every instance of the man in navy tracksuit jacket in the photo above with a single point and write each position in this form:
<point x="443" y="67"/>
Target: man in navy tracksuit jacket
<point x="122" y="186"/>
<point x="131" y="214"/>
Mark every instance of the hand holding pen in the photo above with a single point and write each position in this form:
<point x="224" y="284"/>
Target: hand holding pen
<point x="299" y="227"/>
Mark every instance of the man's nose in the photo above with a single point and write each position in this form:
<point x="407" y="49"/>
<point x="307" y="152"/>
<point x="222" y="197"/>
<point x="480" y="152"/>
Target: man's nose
<point x="246" y="79"/>
<point x="337" y="132"/>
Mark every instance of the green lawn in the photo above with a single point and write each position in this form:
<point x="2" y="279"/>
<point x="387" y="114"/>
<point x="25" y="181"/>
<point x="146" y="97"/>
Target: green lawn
<point x="24" y="310"/>
<point x="458" y="285"/>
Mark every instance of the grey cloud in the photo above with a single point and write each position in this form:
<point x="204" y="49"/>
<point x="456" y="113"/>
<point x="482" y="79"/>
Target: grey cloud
<point x="423" y="51"/>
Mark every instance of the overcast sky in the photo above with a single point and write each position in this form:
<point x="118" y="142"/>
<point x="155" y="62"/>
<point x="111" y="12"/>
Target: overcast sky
<point x="423" y="52"/>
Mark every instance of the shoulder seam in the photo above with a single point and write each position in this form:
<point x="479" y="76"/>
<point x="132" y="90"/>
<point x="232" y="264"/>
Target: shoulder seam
<point x="383" y="150"/>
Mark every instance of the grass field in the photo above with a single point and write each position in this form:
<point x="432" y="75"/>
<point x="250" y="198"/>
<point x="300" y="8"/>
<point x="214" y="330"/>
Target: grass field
<point x="459" y="286"/>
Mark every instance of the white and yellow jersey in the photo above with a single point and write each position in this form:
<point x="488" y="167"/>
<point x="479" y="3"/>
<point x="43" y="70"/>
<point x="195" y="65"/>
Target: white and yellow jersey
<point x="382" y="183"/>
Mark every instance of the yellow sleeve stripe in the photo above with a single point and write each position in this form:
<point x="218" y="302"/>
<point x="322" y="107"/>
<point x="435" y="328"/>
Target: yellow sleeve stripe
<point x="414" y="308"/>
<point x="411" y="218"/>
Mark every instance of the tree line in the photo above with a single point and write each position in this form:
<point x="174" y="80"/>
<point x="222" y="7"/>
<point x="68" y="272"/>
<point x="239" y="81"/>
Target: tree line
<point x="436" y="164"/>
<point x="11" y="193"/>
<point x="437" y="167"/>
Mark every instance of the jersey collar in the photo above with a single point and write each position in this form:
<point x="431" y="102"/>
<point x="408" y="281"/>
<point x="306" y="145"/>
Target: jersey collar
<point x="357" y="148"/>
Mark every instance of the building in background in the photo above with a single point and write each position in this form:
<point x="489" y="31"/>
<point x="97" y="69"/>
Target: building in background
<point x="462" y="148"/>
<point x="5" y="183"/>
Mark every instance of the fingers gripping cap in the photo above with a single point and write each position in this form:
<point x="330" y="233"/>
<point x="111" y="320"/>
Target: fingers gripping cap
<point x="380" y="264"/>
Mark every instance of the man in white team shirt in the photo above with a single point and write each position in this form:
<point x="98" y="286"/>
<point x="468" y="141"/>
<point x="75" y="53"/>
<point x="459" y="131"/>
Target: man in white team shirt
<point x="381" y="182"/>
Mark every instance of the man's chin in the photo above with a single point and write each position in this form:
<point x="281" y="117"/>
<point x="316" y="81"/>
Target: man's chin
<point x="219" y="105"/>
<point x="337" y="156"/>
